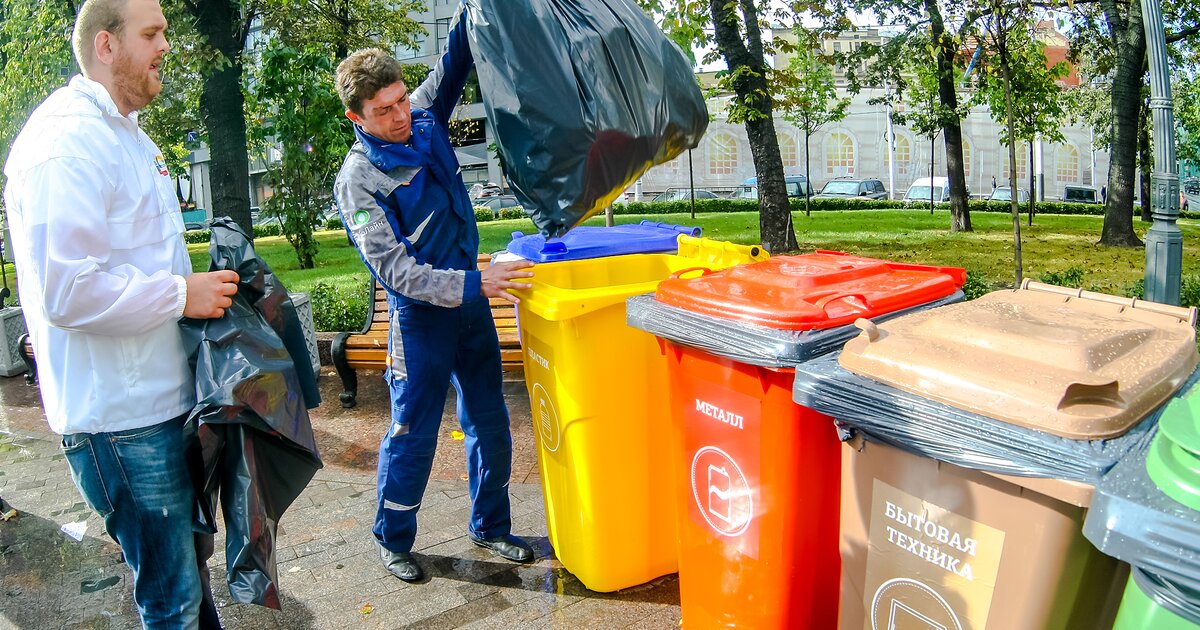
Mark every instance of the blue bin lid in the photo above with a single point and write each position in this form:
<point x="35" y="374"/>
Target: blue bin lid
<point x="647" y="237"/>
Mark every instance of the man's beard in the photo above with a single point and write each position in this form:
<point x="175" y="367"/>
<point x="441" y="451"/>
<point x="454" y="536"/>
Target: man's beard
<point x="134" y="85"/>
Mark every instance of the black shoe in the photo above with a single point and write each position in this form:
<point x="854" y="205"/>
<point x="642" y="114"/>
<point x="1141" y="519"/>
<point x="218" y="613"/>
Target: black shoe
<point x="508" y="547"/>
<point x="401" y="564"/>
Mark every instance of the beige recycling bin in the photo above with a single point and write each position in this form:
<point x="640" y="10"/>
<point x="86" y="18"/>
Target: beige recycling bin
<point x="932" y="545"/>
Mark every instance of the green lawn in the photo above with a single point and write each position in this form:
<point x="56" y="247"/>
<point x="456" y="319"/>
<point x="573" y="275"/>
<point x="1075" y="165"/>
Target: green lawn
<point x="1054" y="244"/>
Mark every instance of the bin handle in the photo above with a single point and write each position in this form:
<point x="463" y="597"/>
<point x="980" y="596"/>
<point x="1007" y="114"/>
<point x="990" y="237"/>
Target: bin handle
<point x="868" y="327"/>
<point x="824" y="301"/>
<point x="1099" y="394"/>
<point x="704" y="271"/>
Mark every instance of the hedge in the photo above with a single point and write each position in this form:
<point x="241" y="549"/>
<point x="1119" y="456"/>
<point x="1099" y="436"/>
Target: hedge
<point x="826" y="205"/>
<point x="483" y="215"/>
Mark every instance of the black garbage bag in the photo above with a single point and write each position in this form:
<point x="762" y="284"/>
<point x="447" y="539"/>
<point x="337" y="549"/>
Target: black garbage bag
<point x="583" y="96"/>
<point x="252" y="443"/>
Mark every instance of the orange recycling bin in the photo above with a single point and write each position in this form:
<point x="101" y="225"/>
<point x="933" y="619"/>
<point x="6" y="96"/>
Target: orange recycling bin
<point x="759" y="475"/>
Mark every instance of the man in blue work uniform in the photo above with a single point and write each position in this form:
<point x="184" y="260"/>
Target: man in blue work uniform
<point x="402" y="198"/>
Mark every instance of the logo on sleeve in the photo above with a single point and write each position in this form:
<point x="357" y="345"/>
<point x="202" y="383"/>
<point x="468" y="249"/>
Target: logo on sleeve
<point x="361" y="217"/>
<point x="161" y="165"/>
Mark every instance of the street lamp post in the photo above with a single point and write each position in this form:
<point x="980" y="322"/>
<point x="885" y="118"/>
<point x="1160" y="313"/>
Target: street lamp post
<point x="1164" y="241"/>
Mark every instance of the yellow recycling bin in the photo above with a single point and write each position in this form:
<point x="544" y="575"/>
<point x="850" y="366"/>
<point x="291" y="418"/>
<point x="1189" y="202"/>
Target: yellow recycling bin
<point x="598" y="392"/>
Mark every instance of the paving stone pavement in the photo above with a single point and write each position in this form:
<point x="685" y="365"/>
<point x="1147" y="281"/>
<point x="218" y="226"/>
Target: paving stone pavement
<point x="329" y="567"/>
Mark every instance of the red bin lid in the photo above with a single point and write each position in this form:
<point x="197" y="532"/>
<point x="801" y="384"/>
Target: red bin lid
<point x="811" y="291"/>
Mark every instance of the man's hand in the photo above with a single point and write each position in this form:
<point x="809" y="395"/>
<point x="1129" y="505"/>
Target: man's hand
<point x="495" y="281"/>
<point x="208" y="293"/>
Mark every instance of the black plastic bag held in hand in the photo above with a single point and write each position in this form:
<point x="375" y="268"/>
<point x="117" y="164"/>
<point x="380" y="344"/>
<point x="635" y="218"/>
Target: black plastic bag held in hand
<point x="583" y="96"/>
<point x="252" y="442"/>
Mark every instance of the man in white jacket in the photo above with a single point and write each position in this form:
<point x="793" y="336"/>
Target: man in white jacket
<point x="104" y="277"/>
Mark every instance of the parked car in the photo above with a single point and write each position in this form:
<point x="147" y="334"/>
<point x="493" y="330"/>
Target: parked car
<point x="797" y="186"/>
<point x="923" y="188"/>
<point x="1004" y="193"/>
<point x="681" y="194"/>
<point x="266" y="219"/>
<point x="1080" y="194"/>
<point x="496" y="203"/>
<point x="852" y="188"/>
<point x="196" y="219"/>
<point x="479" y="191"/>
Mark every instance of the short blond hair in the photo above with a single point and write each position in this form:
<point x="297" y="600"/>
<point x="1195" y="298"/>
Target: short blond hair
<point x="95" y="16"/>
<point x="360" y="76"/>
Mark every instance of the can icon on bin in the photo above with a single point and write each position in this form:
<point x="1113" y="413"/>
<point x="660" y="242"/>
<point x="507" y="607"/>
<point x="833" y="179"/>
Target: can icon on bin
<point x="723" y="495"/>
<point x="546" y="418"/>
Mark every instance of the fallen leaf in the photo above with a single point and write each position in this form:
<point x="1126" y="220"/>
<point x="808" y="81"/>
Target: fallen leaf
<point x="458" y="435"/>
<point x="293" y="569"/>
<point x="367" y="609"/>
<point x="463" y="477"/>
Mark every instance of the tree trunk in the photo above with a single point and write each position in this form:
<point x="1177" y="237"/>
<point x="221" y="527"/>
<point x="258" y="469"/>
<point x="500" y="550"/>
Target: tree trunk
<point x="931" y="150"/>
<point x="807" y="175"/>
<point x="1129" y="40"/>
<point x="960" y="214"/>
<point x="1032" y="186"/>
<point x="221" y="23"/>
<point x="1145" y="162"/>
<point x="775" y="213"/>
<point x="1006" y="76"/>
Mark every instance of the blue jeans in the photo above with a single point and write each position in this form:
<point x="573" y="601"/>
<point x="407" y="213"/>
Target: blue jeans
<point x="432" y="347"/>
<point x="137" y="480"/>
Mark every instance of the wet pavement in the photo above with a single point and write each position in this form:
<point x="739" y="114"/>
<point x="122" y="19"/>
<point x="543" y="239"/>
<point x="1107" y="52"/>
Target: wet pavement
<point x="329" y="567"/>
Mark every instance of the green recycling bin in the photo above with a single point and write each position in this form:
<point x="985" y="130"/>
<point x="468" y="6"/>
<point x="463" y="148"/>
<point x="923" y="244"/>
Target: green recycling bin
<point x="1146" y="511"/>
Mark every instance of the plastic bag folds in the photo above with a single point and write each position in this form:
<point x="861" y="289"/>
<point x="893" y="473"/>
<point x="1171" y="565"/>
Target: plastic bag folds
<point x="583" y="96"/>
<point x="252" y="441"/>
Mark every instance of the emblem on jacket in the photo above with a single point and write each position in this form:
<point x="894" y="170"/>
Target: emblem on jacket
<point x="361" y="217"/>
<point x="161" y="165"/>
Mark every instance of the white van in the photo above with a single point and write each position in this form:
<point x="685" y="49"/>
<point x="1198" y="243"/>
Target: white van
<point x="924" y="187"/>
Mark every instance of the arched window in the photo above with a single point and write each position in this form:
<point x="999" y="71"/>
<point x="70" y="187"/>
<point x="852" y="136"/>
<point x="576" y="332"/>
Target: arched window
<point x="904" y="155"/>
<point x="1022" y="164"/>
<point x="1067" y="168"/>
<point x="839" y="154"/>
<point x="788" y="150"/>
<point x="722" y="154"/>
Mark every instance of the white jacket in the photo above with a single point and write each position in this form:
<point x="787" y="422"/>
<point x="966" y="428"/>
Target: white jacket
<point x="101" y="261"/>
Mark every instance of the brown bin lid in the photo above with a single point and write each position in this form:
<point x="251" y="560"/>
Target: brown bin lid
<point x="1068" y="362"/>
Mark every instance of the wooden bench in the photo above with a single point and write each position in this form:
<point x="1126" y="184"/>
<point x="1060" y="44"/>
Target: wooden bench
<point x="368" y="348"/>
<point x="25" y="349"/>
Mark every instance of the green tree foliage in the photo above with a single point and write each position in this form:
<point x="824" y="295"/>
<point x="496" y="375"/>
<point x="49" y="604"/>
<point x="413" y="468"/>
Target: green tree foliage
<point x="1185" y="92"/>
<point x="811" y="101"/>
<point x="1015" y="77"/>
<point x="342" y="25"/>
<point x="736" y="33"/>
<point x="932" y="34"/>
<point x="1109" y="37"/>
<point x="35" y="60"/>
<point x="293" y="94"/>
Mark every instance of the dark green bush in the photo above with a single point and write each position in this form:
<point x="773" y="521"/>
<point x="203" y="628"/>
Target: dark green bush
<point x="334" y="222"/>
<point x="1071" y="277"/>
<point x="482" y="214"/>
<point x="339" y="308"/>
<point x="976" y="285"/>
<point x="512" y="213"/>
<point x="266" y="229"/>
<point x="1189" y="291"/>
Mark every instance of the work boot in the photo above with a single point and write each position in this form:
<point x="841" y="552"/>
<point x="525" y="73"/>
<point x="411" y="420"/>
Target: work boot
<point x="508" y="547"/>
<point x="7" y="511"/>
<point x="401" y="564"/>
